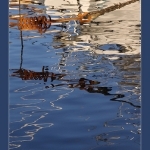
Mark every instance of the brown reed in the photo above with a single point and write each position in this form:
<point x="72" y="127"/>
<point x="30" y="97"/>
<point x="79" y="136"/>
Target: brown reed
<point x="41" y="23"/>
<point x="94" y="14"/>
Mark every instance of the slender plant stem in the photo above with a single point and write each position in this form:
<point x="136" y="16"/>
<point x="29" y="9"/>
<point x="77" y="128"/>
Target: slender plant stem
<point x="21" y="39"/>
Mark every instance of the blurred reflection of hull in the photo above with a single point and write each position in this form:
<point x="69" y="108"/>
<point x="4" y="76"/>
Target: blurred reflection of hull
<point x="118" y="42"/>
<point x="40" y="2"/>
<point x="78" y="5"/>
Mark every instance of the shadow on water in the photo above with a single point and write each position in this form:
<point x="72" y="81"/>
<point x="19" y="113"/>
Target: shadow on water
<point x="87" y="94"/>
<point x="81" y="83"/>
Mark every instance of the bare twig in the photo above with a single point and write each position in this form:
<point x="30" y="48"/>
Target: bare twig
<point x="21" y="39"/>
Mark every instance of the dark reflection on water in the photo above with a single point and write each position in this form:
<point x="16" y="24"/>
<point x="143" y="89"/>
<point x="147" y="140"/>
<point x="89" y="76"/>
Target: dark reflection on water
<point x="87" y="94"/>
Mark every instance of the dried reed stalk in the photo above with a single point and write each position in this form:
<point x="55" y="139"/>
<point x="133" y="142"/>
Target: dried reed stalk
<point x="41" y="23"/>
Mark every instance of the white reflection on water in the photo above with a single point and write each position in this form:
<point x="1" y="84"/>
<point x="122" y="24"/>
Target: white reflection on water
<point x="26" y="131"/>
<point x="78" y="51"/>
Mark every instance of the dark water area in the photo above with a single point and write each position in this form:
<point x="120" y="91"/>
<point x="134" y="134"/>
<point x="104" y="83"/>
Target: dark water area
<point x="75" y="87"/>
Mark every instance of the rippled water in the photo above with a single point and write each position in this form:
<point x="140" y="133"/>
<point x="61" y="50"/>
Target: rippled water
<point x="93" y="101"/>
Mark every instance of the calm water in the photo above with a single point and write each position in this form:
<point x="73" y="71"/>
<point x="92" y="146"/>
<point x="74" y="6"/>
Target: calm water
<point x="93" y="101"/>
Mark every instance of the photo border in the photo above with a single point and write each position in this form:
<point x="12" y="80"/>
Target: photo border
<point x="4" y="75"/>
<point x="145" y="57"/>
<point x="145" y="73"/>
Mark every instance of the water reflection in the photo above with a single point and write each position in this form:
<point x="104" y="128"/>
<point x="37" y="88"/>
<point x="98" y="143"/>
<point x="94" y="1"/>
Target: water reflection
<point x="120" y="124"/>
<point x="88" y="88"/>
<point x="82" y="83"/>
<point x="41" y="23"/>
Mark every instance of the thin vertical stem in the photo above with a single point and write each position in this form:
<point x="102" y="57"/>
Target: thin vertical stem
<point x="78" y="2"/>
<point x="21" y="39"/>
<point x="21" y="57"/>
